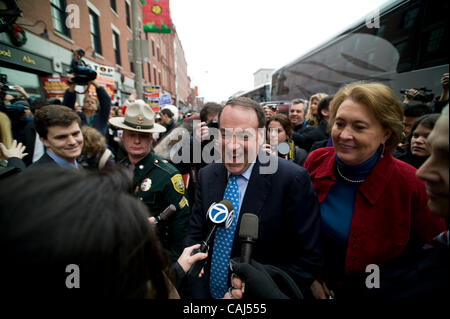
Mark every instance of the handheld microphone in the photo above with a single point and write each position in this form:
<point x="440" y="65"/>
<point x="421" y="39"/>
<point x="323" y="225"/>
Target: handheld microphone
<point x="218" y="213"/>
<point x="165" y="214"/>
<point x="248" y="233"/>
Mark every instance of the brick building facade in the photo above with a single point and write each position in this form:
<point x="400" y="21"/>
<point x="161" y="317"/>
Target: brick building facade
<point x="102" y="29"/>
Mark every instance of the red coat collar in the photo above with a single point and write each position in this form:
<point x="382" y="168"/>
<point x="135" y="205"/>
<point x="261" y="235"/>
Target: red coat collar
<point x="374" y="185"/>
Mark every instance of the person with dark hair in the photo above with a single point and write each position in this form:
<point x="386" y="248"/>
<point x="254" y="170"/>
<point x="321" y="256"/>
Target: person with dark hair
<point x="410" y="114"/>
<point x="419" y="149"/>
<point x="156" y="182"/>
<point x="17" y="107"/>
<point x="372" y="205"/>
<point x="81" y="236"/>
<point x="282" y="198"/>
<point x="279" y="132"/>
<point x="209" y="115"/>
<point x="59" y="130"/>
<point x="167" y="121"/>
<point x="323" y="115"/>
<point x="31" y="140"/>
<point x="95" y="113"/>
<point x="209" y="112"/>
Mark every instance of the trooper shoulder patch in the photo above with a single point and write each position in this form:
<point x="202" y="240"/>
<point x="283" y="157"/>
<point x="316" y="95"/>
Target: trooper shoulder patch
<point x="178" y="183"/>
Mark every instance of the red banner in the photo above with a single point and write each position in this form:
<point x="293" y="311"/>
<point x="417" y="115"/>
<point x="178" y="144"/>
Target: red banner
<point x="54" y="86"/>
<point x="156" y="16"/>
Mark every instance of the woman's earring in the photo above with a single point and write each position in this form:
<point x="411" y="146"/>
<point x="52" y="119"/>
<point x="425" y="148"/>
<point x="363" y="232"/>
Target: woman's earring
<point x="382" y="151"/>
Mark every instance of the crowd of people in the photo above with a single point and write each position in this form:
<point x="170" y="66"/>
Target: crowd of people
<point x="361" y="179"/>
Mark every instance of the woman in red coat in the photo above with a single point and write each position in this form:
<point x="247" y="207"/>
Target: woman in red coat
<point x="372" y="205"/>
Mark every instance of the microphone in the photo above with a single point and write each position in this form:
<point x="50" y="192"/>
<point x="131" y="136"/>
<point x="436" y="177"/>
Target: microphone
<point x="218" y="213"/>
<point x="248" y="233"/>
<point x="165" y="214"/>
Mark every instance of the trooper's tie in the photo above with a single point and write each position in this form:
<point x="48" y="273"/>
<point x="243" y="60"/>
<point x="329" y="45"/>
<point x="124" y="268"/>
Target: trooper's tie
<point x="223" y="243"/>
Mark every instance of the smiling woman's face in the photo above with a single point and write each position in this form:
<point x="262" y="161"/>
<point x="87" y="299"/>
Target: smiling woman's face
<point x="356" y="133"/>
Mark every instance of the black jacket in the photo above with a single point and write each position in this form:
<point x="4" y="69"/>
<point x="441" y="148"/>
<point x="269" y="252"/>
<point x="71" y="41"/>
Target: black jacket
<point x="309" y="135"/>
<point x="101" y="117"/>
<point x="289" y="220"/>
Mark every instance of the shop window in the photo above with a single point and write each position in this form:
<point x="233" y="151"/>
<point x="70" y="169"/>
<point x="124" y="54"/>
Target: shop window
<point x="29" y="81"/>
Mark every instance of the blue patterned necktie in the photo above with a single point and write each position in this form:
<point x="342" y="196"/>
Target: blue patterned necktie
<point x="223" y="243"/>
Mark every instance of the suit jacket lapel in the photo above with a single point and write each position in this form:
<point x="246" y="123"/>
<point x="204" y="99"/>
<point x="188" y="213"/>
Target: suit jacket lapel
<point x="216" y="187"/>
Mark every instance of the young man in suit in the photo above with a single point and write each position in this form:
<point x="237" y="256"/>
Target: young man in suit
<point x="284" y="200"/>
<point x="59" y="130"/>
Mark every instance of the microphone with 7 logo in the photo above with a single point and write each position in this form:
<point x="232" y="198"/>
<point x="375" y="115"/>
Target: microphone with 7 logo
<point x="221" y="213"/>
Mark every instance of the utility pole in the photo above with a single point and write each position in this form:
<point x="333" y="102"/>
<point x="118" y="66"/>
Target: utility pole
<point x="137" y="54"/>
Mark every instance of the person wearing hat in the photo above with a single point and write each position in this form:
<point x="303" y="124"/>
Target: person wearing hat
<point x="156" y="182"/>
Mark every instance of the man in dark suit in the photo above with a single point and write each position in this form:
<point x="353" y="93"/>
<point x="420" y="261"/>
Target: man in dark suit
<point x="284" y="200"/>
<point x="59" y="130"/>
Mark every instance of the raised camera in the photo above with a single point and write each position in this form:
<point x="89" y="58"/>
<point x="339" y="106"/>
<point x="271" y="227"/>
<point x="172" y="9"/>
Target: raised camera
<point x="213" y="123"/>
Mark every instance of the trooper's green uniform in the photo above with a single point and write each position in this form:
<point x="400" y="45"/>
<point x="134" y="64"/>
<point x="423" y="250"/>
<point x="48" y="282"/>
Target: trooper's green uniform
<point x="158" y="184"/>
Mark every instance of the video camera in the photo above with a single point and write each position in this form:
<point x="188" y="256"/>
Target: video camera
<point x="82" y="73"/>
<point x="423" y="95"/>
<point x="4" y="87"/>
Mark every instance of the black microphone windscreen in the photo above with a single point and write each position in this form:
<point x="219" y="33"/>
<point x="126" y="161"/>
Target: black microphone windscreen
<point x="249" y="226"/>
<point x="168" y="212"/>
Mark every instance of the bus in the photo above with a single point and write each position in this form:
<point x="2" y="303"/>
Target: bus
<point x="259" y="94"/>
<point x="405" y="48"/>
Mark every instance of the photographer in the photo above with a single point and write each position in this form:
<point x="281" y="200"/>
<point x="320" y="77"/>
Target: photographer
<point x="95" y="113"/>
<point x="279" y="132"/>
<point x="17" y="108"/>
<point x="208" y="117"/>
<point x="440" y="102"/>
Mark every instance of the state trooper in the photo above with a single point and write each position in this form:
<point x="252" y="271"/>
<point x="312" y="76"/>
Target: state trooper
<point x="156" y="182"/>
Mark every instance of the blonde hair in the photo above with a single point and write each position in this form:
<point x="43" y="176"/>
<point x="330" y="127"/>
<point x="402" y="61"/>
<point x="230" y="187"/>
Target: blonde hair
<point x="5" y="130"/>
<point x="380" y="99"/>
<point x="312" y="119"/>
<point x="94" y="141"/>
